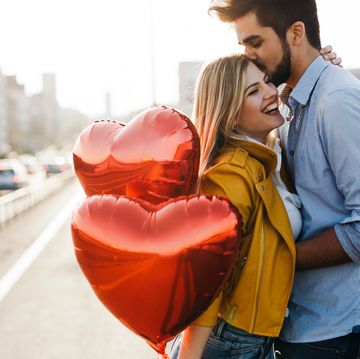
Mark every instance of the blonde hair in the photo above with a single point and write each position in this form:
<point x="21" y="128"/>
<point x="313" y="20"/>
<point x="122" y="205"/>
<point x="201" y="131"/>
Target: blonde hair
<point x="219" y="94"/>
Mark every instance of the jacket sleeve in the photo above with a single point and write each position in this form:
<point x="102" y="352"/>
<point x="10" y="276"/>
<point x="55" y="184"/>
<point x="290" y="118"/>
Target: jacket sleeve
<point x="210" y="316"/>
<point x="234" y="183"/>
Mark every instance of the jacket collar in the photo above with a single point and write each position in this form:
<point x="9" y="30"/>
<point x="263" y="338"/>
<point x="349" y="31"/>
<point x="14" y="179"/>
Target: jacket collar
<point x="264" y="154"/>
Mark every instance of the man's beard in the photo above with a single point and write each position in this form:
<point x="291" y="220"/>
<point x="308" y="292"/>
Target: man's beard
<point x="283" y="69"/>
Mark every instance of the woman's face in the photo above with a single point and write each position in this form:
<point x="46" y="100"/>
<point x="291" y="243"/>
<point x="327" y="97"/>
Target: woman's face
<point x="259" y="113"/>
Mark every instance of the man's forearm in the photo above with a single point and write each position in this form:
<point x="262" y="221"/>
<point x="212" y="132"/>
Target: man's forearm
<point x="321" y="251"/>
<point x="194" y="341"/>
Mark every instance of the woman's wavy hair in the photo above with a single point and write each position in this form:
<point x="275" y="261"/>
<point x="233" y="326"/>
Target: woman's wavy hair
<point x="219" y="93"/>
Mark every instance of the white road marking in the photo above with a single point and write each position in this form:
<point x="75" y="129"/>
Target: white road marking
<point x="24" y="262"/>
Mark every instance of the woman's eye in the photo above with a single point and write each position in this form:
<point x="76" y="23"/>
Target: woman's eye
<point x="268" y="81"/>
<point x="254" y="91"/>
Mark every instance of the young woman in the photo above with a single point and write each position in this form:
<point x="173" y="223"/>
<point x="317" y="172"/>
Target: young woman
<point x="235" y="112"/>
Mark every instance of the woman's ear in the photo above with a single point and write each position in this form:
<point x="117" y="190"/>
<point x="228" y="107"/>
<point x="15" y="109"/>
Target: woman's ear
<point x="296" y="33"/>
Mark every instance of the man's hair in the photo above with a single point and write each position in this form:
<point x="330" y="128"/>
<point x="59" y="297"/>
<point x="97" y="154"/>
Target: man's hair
<point x="278" y="14"/>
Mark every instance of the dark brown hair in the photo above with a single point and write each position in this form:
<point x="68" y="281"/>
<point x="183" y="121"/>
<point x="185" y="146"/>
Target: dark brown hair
<point x="278" y="14"/>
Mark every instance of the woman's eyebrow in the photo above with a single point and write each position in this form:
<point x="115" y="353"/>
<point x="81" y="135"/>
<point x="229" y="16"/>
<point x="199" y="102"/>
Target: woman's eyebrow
<point x="256" y="83"/>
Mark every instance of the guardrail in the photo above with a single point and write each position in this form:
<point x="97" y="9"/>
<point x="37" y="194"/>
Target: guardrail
<point x="13" y="203"/>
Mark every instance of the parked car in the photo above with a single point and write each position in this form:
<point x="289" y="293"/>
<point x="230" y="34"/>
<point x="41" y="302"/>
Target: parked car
<point x="56" y="165"/>
<point x="13" y="175"/>
<point x="35" y="170"/>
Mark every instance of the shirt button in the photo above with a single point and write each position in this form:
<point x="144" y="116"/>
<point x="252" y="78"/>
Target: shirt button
<point x="262" y="188"/>
<point x="292" y="153"/>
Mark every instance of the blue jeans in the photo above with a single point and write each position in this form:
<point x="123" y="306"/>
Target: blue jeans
<point x="228" y="342"/>
<point x="346" y="347"/>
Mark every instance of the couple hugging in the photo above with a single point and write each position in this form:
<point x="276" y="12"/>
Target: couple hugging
<point x="291" y="168"/>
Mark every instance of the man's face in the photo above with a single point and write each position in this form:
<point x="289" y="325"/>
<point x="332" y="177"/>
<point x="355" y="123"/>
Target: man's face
<point x="264" y="47"/>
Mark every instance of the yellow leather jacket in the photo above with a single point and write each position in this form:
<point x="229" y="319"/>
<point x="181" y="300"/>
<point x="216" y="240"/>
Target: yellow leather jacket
<point x="256" y="297"/>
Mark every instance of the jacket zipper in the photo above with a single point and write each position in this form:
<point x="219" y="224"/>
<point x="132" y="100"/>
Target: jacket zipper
<point x="261" y="274"/>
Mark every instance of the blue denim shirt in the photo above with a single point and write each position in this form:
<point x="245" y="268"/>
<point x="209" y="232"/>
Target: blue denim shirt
<point x="322" y="145"/>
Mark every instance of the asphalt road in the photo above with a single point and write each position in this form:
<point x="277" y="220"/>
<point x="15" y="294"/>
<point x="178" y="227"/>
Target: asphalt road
<point x="51" y="311"/>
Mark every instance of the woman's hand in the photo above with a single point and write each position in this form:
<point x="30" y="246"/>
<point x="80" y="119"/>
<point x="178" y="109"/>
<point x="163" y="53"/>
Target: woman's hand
<point x="329" y="55"/>
<point x="194" y="341"/>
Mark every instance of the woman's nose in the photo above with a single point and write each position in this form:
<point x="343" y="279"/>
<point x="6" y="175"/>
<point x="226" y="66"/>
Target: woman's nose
<point x="270" y="90"/>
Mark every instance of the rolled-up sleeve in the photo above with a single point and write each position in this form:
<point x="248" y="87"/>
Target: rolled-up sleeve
<point x="339" y="133"/>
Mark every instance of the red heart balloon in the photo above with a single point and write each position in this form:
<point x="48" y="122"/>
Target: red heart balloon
<point x="156" y="268"/>
<point x="154" y="157"/>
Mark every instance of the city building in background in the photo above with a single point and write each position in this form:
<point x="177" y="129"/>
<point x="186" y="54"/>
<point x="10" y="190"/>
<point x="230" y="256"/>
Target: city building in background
<point x="188" y="72"/>
<point x="44" y="115"/>
<point x="355" y="72"/>
<point x="108" y="112"/>
<point x="18" y="113"/>
<point x="32" y="123"/>
<point x="4" y="132"/>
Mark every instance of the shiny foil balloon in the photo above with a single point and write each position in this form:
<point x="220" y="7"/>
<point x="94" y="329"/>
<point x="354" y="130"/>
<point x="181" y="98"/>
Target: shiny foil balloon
<point x="156" y="268"/>
<point x="154" y="157"/>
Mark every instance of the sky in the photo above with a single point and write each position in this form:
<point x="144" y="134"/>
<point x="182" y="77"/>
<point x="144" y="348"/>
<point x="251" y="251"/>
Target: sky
<point x="123" y="47"/>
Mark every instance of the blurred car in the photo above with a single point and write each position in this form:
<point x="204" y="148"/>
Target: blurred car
<point x="34" y="168"/>
<point x="56" y="165"/>
<point x="13" y="175"/>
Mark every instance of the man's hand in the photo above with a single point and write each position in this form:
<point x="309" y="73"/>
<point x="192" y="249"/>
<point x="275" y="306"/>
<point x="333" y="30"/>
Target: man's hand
<point x="329" y="55"/>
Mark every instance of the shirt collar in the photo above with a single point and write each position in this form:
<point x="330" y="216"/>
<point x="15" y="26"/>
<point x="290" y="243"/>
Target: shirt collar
<point x="308" y="80"/>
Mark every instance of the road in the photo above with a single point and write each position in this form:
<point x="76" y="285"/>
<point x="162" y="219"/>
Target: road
<point x="51" y="311"/>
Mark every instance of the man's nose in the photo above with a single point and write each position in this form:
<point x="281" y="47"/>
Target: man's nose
<point x="250" y="53"/>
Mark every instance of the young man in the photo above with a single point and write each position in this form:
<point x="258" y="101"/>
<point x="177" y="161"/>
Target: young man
<point x="323" y="154"/>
